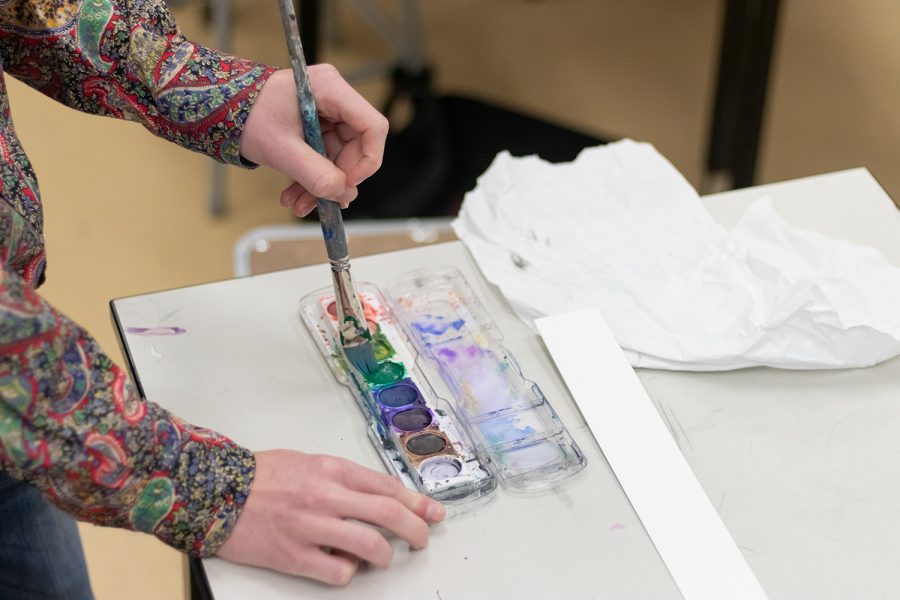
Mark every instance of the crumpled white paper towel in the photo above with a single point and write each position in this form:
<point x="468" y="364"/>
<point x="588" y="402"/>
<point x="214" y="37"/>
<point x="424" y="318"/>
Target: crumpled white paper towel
<point x="621" y="229"/>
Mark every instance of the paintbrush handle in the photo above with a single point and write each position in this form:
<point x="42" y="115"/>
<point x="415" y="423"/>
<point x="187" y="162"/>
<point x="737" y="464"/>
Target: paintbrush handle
<point x="329" y="212"/>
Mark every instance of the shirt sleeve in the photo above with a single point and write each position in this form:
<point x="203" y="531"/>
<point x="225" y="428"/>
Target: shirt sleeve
<point x="128" y="59"/>
<point x="72" y="425"/>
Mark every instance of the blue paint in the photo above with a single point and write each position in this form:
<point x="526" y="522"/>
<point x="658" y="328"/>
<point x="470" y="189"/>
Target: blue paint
<point x="327" y="231"/>
<point x="400" y="394"/>
<point x="438" y="325"/>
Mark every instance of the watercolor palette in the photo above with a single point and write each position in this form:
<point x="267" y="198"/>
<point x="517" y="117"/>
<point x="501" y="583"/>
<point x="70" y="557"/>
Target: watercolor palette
<point x="416" y="433"/>
<point x="508" y="417"/>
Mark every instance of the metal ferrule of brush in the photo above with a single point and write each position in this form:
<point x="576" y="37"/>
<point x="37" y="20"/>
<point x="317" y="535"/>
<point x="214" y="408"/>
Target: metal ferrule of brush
<point x="352" y="318"/>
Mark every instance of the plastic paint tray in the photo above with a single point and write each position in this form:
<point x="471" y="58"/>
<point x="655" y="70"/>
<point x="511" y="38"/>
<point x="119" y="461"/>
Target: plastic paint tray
<point x="508" y="417"/>
<point x="416" y="433"/>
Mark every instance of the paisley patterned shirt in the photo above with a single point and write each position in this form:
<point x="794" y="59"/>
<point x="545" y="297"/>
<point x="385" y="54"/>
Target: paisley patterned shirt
<point x="71" y="423"/>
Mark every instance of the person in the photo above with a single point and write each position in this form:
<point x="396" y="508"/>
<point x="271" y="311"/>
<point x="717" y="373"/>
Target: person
<point x="74" y="434"/>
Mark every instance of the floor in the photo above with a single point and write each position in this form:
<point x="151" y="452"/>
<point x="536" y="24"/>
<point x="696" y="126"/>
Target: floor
<point x="126" y="213"/>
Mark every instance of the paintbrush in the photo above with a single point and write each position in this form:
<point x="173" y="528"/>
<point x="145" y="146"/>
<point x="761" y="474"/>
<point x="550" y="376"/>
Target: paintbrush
<point x="356" y="340"/>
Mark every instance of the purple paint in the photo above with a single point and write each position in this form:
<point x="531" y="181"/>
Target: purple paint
<point x="482" y="374"/>
<point x="155" y="330"/>
<point x="412" y="419"/>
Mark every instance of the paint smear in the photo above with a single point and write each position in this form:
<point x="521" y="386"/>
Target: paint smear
<point x="481" y="374"/>
<point x="153" y="331"/>
<point x="504" y="430"/>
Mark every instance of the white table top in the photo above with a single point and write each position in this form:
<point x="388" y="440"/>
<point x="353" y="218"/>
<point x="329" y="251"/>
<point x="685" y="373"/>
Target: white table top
<point x="803" y="467"/>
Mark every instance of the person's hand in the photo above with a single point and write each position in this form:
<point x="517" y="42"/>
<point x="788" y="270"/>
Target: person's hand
<point x="354" y="135"/>
<point x="313" y="516"/>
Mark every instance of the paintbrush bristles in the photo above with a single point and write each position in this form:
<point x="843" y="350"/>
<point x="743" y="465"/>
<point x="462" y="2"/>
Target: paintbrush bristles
<point x="352" y="325"/>
<point x="362" y="357"/>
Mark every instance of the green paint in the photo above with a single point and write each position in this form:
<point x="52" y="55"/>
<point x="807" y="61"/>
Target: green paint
<point x="382" y="347"/>
<point x="360" y="331"/>
<point x="387" y="372"/>
<point x="338" y="358"/>
<point x="153" y="505"/>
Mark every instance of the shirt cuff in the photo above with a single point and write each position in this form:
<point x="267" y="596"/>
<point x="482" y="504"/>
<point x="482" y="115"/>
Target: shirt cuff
<point x="195" y="505"/>
<point x="229" y="150"/>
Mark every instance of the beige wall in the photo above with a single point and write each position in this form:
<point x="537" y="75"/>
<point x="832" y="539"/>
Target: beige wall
<point x="126" y="213"/>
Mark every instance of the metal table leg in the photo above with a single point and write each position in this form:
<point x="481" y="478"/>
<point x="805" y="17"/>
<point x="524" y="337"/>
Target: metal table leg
<point x="218" y="195"/>
<point x="748" y="38"/>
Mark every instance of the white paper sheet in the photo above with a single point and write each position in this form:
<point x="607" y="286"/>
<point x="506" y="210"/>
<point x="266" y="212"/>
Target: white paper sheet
<point x="688" y="533"/>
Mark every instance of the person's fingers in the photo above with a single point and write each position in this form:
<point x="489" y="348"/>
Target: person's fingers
<point x="382" y="511"/>
<point x="367" y="164"/>
<point x="365" y="480"/>
<point x="301" y="202"/>
<point x="337" y="101"/>
<point x="348" y="196"/>
<point x="347" y="156"/>
<point x="359" y="540"/>
<point x="333" y="569"/>
<point x="314" y="172"/>
<point x="291" y="194"/>
<point x="333" y="146"/>
<point x="344" y="132"/>
<point x="304" y="204"/>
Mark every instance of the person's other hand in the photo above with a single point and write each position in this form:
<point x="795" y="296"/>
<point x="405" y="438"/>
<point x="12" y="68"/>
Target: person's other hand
<point x="316" y="516"/>
<point x="353" y="129"/>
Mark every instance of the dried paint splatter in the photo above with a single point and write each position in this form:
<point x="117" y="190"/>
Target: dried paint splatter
<point x="155" y="330"/>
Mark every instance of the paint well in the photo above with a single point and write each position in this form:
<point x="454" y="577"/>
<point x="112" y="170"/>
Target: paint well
<point x="528" y="458"/>
<point x="381" y="346"/>
<point x="425" y="444"/>
<point x="412" y="419"/>
<point x="397" y="395"/>
<point x="387" y="372"/>
<point x="440" y="468"/>
<point x="509" y="428"/>
<point x="331" y="309"/>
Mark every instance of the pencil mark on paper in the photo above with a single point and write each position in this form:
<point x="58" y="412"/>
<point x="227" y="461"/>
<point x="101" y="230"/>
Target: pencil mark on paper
<point x="169" y="315"/>
<point x="665" y="417"/>
<point x="681" y="428"/>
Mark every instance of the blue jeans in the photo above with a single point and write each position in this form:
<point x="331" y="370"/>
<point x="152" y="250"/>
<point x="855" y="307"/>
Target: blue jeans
<point x="40" y="551"/>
